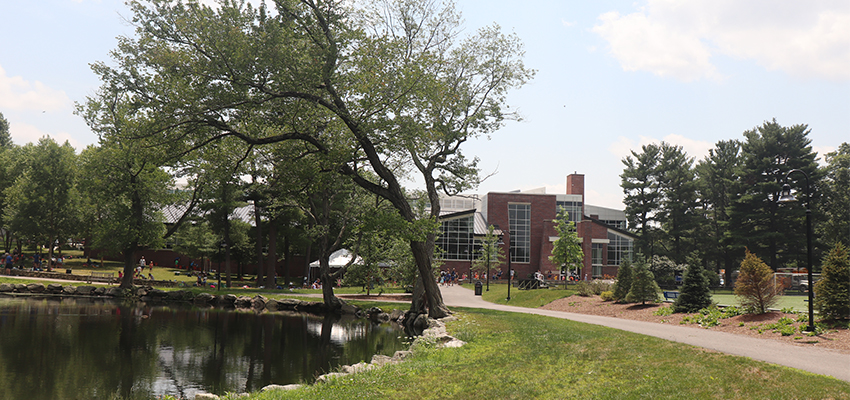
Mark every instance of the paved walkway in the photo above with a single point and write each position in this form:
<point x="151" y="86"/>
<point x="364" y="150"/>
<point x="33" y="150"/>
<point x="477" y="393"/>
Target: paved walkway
<point x="819" y="361"/>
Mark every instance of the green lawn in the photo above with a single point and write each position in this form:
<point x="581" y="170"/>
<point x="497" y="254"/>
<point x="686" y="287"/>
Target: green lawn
<point x="519" y="356"/>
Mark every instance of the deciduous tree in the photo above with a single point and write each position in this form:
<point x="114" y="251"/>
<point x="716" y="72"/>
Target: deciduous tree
<point x="393" y="77"/>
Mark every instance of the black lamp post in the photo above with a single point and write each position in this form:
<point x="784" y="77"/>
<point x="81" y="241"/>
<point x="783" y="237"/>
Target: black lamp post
<point x="787" y="197"/>
<point x="509" y="264"/>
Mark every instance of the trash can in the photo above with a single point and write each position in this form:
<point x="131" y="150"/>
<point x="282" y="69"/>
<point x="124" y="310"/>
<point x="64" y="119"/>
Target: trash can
<point x="478" y="287"/>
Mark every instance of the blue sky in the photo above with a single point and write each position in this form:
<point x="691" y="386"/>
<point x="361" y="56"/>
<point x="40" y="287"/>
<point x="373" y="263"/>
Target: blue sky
<point x="611" y="76"/>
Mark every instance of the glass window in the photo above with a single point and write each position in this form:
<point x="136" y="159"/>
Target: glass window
<point x="519" y="219"/>
<point x="572" y="207"/>
<point x="456" y="239"/>
<point x="596" y="254"/>
<point x="619" y="248"/>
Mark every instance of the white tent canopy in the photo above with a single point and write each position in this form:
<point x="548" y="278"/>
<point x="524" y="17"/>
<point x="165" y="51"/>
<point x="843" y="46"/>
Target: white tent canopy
<point x="339" y="259"/>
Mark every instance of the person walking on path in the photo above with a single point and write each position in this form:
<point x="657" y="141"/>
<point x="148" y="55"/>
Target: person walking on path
<point x="816" y="360"/>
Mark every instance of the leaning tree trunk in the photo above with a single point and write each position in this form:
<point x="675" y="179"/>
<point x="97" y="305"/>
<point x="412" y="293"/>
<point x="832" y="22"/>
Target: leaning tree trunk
<point x="332" y="302"/>
<point x="434" y="299"/>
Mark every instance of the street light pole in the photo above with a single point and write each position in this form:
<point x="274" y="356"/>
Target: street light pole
<point x="509" y="264"/>
<point x="786" y="197"/>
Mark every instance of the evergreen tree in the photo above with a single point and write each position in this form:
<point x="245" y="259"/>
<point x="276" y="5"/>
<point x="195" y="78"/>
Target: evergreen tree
<point x="695" y="293"/>
<point x="624" y="281"/>
<point x="718" y="180"/>
<point x="836" y="197"/>
<point x="833" y="289"/>
<point x="644" y="287"/>
<point x="755" y="286"/>
<point x="776" y="234"/>
<point x="641" y="195"/>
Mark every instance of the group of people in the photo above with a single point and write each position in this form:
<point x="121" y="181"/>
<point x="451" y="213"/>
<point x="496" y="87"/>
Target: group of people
<point x="448" y="278"/>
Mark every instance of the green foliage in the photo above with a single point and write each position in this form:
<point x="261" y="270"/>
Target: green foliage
<point x="585" y="289"/>
<point x="490" y="255"/>
<point x="664" y="269"/>
<point x="835" y="227"/>
<point x="644" y="287"/>
<point x="566" y="250"/>
<point x="607" y="295"/>
<point x="5" y="136"/>
<point x="711" y="316"/>
<point x="695" y="293"/>
<point x="624" y="281"/>
<point x="833" y="289"/>
<point x="43" y="202"/>
<point x="663" y="311"/>
<point x="755" y="287"/>
<point x="599" y="286"/>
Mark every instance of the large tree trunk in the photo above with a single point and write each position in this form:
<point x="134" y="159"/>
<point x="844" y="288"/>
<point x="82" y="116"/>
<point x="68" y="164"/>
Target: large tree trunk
<point x="129" y="269"/>
<point x="331" y="301"/>
<point x="227" y="246"/>
<point x="287" y="255"/>
<point x="259" y="244"/>
<point x="270" y="274"/>
<point x="434" y="299"/>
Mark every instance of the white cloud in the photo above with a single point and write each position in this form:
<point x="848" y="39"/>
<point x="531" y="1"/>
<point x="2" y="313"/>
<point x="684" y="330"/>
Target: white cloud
<point x="25" y="133"/>
<point x="672" y="38"/>
<point x="567" y="23"/>
<point x="641" y="44"/>
<point x="16" y="93"/>
<point x="697" y="149"/>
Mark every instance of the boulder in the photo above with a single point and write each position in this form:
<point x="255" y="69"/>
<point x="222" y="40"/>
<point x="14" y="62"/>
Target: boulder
<point x="114" y="292"/>
<point x="157" y="293"/>
<point x="326" y="377"/>
<point x="228" y="299"/>
<point x="20" y="288"/>
<point x="99" y="291"/>
<point x="142" y="292"/>
<point x="69" y="290"/>
<point x="243" y="302"/>
<point x="359" y="367"/>
<point x="204" y="298"/>
<point x="288" y="304"/>
<point x="272" y="305"/>
<point x="177" y="295"/>
<point x="35" y="288"/>
<point x="206" y="396"/>
<point x="349" y="309"/>
<point x="379" y="360"/>
<point x="258" y="302"/>
<point x="6" y="288"/>
<point x="281" y="387"/>
<point x="85" y="290"/>
<point x="396" y="315"/>
<point x="54" y="288"/>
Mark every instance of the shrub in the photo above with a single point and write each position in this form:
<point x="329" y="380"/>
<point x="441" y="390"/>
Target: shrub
<point x="833" y="289"/>
<point x="755" y="286"/>
<point x="607" y="295"/>
<point x="644" y="287"/>
<point x="599" y="286"/>
<point x="584" y="289"/>
<point x="695" y="294"/>
<point x="624" y="281"/>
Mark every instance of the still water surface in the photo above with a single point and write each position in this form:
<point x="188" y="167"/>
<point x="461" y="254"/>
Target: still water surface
<point x="52" y="348"/>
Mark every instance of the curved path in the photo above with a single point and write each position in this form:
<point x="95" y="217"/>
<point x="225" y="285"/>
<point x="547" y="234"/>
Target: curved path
<point x="819" y="361"/>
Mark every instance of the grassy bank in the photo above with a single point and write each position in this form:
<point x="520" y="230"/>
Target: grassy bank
<point x="517" y="356"/>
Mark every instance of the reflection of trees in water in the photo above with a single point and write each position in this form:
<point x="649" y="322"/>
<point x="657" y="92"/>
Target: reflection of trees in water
<point x="85" y="349"/>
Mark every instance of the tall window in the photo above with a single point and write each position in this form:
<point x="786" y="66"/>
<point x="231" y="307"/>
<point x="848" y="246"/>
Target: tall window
<point x="619" y="248"/>
<point x="456" y="239"/>
<point x="572" y="207"/>
<point x="519" y="219"/>
<point x="596" y="259"/>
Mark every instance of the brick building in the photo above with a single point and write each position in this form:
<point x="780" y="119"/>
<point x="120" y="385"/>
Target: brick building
<point x="525" y="218"/>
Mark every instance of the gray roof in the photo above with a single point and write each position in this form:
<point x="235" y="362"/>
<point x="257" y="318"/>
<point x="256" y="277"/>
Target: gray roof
<point x="173" y="213"/>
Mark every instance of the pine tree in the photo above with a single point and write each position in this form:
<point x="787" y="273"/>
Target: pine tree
<point x="832" y="291"/>
<point x="644" y="287"/>
<point x="695" y="293"/>
<point x="624" y="281"/>
<point x="755" y="286"/>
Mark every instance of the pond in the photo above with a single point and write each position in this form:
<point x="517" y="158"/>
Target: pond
<point x="75" y="348"/>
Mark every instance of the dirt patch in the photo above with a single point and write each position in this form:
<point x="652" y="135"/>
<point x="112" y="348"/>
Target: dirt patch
<point x="748" y="324"/>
